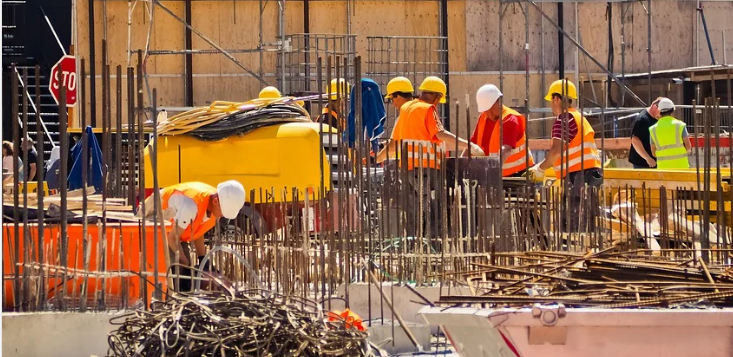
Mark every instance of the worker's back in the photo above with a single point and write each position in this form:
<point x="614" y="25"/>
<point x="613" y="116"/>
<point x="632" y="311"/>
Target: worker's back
<point x="667" y="137"/>
<point x="415" y="135"/>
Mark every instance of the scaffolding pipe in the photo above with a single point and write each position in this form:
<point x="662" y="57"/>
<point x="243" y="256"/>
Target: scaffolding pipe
<point x="585" y="52"/>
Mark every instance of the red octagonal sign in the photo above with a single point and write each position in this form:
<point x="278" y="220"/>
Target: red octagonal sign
<point x="67" y="66"/>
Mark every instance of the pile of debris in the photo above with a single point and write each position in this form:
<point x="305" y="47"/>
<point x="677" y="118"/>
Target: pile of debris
<point x="116" y="208"/>
<point x="606" y="279"/>
<point x="245" y="323"/>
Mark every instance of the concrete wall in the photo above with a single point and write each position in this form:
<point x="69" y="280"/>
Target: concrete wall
<point x="55" y="334"/>
<point x="473" y="28"/>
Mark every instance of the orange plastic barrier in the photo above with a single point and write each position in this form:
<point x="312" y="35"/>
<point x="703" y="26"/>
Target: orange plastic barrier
<point x="123" y="253"/>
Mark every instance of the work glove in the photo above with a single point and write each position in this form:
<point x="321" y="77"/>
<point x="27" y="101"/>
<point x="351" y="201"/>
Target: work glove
<point x="476" y="150"/>
<point x="536" y="174"/>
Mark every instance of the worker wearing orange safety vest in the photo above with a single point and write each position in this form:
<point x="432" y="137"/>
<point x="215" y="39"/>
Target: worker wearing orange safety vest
<point x="419" y="133"/>
<point x="420" y="139"/>
<point x="573" y="153"/>
<point x="487" y="133"/>
<point x="337" y="90"/>
<point x="193" y="209"/>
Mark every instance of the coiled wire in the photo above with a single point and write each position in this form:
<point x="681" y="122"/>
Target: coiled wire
<point x="248" y="323"/>
<point x="243" y="122"/>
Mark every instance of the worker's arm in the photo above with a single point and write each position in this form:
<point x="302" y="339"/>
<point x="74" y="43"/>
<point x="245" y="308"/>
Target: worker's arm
<point x="639" y="147"/>
<point x="686" y="140"/>
<point x="654" y="149"/>
<point x="174" y="244"/>
<point x="200" y="247"/>
<point x="390" y="149"/>
<point x="32" y="174"/>
<point x="553" y="155"/>
<point x="450" y="141"/>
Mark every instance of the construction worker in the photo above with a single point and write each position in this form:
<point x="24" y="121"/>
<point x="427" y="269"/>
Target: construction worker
<point x="330" y="115"/>
<point x="270" y="92"/>
<point x="419" y="126"/>
<point x="194" y="208"/>
<point x="487" y="131"/>
<point x="670" y="141"/>
<point x="640" y="153"/>
<point x="421" y="139"/>
<point x="399" y="91"/>
<point x="573" y="153"/>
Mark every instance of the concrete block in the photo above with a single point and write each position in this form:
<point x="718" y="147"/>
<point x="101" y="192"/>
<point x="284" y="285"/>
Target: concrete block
<point x="57" y="334"/>
<point x="381" y="335"/>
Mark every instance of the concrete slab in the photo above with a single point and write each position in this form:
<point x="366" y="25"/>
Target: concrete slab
<point x="55" y="334"/>
<point x="382" y="335"/>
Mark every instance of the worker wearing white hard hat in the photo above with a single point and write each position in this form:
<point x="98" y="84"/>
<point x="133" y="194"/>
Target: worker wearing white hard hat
<point x="193" y="209"/>
<point x="489" y="130"/>
<point x="670" y="142"/>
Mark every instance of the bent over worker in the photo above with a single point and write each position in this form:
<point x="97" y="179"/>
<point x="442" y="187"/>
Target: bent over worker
<point x="194" y="208"/>
<point x="573" y="153"/>
<point x="670" y="142"/>
<point x="486" y="134"/>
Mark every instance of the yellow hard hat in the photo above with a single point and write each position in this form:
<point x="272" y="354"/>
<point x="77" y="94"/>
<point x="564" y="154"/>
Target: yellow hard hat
<point x="335" y="90"/>
<point x="435" y="85"/>
<point x="557" y="88"/>
<point x="270" y="93"/>
<point x="398" y="84"/>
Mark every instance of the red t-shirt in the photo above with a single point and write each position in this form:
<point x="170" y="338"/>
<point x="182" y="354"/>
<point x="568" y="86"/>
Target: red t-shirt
<point x="512" y="132"/>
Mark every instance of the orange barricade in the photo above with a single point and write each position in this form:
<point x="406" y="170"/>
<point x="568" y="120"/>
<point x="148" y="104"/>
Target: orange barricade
<point x="123" y="253"/>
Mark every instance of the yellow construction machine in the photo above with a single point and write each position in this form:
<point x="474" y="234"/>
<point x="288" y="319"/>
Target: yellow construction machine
<point x="279" y="158"/>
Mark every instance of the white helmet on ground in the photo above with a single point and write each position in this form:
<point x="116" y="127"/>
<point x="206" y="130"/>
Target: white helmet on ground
<point x="486" y="96"/>
<point x="231" y="198"/>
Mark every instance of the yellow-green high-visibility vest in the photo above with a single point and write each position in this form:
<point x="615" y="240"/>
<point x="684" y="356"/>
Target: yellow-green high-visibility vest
<point x="666" y="136"/>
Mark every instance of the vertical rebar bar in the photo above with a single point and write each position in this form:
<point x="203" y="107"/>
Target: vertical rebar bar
<point x="41" y="191"/>
<point x="118" y="137"/>
<point x="85" y="202"/>
<point x="64" y="147"/>
<point x="141" y="178"/>
<point x="25" y="147"/>
<point x="16" y="183"/>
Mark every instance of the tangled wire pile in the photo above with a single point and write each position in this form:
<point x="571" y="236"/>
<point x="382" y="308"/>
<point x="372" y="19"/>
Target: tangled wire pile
<point x="243" y="122"/>
<point x="223" y="119"/>
<point x="247" y="323"/>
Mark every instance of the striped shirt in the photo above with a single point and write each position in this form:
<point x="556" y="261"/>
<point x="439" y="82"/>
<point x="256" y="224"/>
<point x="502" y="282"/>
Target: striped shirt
<point x="571" y="129"/>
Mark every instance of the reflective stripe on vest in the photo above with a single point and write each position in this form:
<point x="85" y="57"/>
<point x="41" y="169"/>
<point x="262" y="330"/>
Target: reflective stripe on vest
<point x="577" y="160"/>
<point x="516" y="159"/>
<point x="419" y="150"/>
<point x="199" y="192"/>
<point x="670" y="151"/>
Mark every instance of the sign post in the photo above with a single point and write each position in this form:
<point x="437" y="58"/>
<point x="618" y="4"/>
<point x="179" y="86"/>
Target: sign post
<point x="67" y="67"/>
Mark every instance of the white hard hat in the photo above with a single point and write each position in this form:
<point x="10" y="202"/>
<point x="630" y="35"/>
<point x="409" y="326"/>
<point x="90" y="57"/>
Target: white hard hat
<point x="231" y="198"/>
<point x="486" y="96"/>
<point x="665" y="104"/>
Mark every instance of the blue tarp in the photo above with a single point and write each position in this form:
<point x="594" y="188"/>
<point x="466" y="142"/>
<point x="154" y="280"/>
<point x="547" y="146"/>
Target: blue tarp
<point x="94" y="177"/>
<point x="372" y="112"/>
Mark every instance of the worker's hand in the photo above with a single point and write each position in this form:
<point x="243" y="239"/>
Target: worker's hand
<point x="476" y="150"/>
<point x="651" y="162"/>
<point x="536" y="174"/>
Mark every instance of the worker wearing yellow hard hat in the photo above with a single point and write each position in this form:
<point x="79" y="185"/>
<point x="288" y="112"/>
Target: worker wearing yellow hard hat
<point x="669" y="139"/>
<point x="420" y="126"/>
<point x="420" y="138"/>
<point x="399" y="91"/>
<point x="573" y="153"/>
<point x="336" y="91"/>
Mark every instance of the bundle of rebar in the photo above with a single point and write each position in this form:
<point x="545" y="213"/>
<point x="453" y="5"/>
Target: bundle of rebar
<point x="245" y="323"/>
<point x="606" y="279"/>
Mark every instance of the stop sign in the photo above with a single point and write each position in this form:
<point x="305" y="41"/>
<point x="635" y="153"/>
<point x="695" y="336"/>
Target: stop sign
<point x="67" y="66"/>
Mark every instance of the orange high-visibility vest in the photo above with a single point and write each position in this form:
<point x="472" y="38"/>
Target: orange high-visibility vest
<point x="340" y="124"/>
<point x="199" y="192"/>
<point x="419" y="147"/>
<point x="516" y="158"/>
<point x="576" y="160"/>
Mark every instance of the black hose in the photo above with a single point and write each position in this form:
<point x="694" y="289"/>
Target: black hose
<point x="243" y="122"/>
